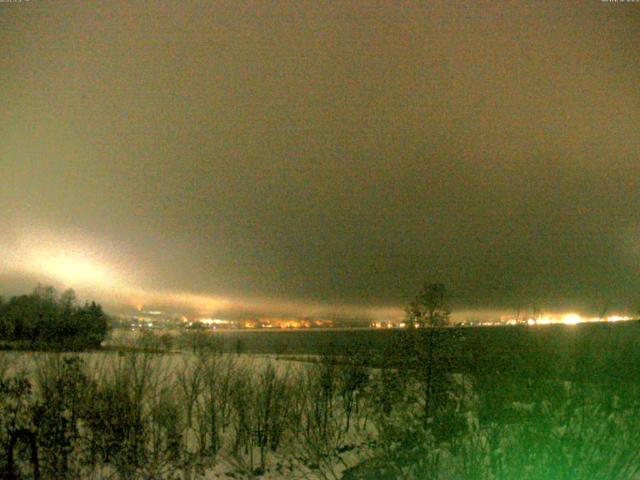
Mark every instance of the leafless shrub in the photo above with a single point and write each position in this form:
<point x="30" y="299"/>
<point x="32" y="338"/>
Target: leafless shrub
<point x="352" y="381"/>
<point x="213" y="412"/>
<point x="323" y="434"/>
<point x="270" y="407"/>
<point x="164" y="436"/>
<point x="261" y="406"/>
<point x="119" y="423"/>
<point x="63" y="392"/>
<point x="240" y="404"/>
<point x="190" y="381"/>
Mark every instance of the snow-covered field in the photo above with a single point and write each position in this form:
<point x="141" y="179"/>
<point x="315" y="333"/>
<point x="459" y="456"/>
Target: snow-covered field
<point x="208" y="415"/>
<point x="203" y="414"/>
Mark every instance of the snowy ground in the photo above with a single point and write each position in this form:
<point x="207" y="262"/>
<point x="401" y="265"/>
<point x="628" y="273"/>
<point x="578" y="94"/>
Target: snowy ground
<point x="293" y="459"/>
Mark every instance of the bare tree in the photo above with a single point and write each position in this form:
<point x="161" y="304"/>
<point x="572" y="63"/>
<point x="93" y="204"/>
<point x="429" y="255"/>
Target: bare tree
<point x="424" y="350"/>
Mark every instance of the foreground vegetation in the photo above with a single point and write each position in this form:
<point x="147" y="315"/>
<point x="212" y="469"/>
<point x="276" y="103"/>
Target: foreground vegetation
<point x="144" y="415"/>
<point x="199" y="412"/>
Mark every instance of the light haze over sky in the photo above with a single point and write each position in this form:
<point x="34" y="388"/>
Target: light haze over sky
<point x="309" y="158"/>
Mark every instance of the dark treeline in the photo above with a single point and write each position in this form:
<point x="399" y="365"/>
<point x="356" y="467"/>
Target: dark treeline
<point x="45" y="319"/>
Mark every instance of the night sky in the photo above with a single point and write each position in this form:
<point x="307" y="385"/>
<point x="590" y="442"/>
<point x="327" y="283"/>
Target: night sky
<point x="312" y="158"/>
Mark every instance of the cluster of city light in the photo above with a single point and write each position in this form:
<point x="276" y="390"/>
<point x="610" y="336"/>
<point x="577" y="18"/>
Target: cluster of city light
<point x="545" y="319"/>
<point x="214" y="321"/>
<point x="573" y="319"/>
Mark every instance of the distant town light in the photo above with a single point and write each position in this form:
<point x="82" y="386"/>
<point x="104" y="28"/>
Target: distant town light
<point x="571" y="318"/>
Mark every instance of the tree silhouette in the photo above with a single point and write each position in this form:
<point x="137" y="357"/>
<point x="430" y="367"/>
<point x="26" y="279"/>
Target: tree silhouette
<point x="43" y="319"/>
<point x="425" y="349"/>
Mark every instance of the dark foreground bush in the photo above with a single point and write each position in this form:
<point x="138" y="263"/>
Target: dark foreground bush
<point x="582" y="435"/>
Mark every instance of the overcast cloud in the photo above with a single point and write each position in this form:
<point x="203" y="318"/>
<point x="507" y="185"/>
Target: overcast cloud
<point x="315" y="157"/>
